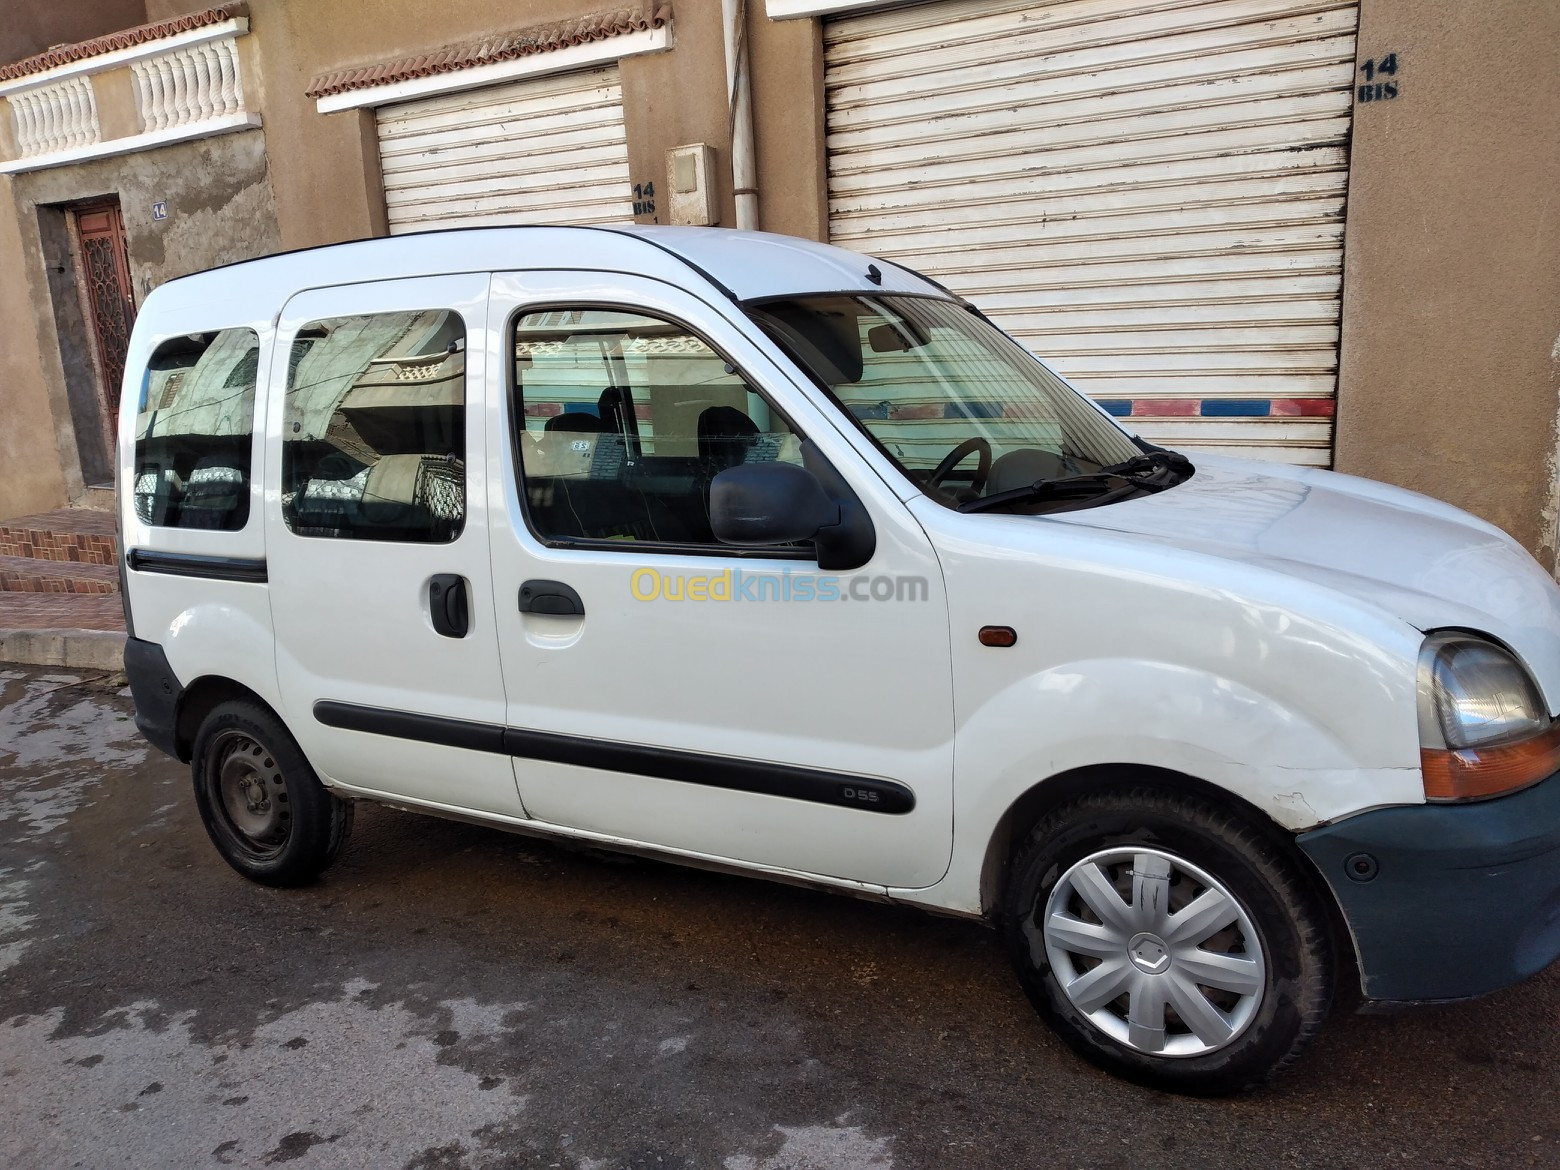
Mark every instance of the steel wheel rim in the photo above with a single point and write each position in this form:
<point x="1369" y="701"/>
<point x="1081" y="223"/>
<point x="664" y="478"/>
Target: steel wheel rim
<point x="1153" y="951"/>
<point x="251" y="793"/>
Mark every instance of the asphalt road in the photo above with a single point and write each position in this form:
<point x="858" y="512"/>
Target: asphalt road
<point x="451" y="996"/>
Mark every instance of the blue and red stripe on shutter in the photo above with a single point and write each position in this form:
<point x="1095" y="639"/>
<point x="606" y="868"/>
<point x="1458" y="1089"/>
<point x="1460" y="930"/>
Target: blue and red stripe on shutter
<point x="1120" y="407"/>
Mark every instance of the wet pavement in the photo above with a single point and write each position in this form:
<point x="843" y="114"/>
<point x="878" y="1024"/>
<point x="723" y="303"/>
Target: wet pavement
<point x="452" y="996"/>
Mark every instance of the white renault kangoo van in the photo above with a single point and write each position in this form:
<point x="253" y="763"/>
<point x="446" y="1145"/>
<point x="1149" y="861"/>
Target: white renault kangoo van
<point x="749" y="552"/>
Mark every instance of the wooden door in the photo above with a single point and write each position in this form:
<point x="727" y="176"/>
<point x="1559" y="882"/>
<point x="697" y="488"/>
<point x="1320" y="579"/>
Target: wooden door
<point x="106" y="291"/>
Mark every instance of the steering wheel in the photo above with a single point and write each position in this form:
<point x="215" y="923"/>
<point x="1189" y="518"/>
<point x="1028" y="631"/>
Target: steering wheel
<point x="957" y="456"/>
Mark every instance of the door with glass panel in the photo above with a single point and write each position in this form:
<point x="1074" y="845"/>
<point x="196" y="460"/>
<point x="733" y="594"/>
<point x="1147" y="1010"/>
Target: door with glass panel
<point x="667" y="688"/>
<point x="376" y="541"/>
<point x="109" y="301"/>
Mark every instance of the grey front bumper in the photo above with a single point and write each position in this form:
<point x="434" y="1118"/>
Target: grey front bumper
<point x="1448" y="901"/>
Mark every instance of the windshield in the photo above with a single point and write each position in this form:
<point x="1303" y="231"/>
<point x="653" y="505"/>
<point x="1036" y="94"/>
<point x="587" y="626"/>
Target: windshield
<point x="962" y="410"/>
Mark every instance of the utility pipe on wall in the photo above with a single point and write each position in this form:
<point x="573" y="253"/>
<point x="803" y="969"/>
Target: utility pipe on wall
<point x="739" y="104"/>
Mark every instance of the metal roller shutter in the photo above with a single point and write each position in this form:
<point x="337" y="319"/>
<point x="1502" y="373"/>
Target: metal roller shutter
<point x="1149" y="195"/>
<point x="543" y="150"/>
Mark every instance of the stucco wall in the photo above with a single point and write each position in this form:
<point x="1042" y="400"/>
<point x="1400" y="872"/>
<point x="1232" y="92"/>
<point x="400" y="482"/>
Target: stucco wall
<point x="679" y="97"/>
<point x="326" y="169"/>
<point x="787" y="62"/>
<point x="31" y="479"/>
<point x="31" y="26"/>
<point x="219" y="209"/>
<point x="1451" y="307"/>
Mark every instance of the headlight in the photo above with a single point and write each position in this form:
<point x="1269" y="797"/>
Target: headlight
<point x="1483" y="727"/>
<point x="1476" y="692"/>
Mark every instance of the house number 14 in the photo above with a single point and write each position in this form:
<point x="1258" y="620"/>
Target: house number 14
<point x="644" y="198"/>
<point x="1380" y="79"/>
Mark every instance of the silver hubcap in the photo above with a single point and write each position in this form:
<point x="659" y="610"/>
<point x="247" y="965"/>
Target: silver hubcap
<point x="1155" y="952"/>
<point x="253" y="791"/>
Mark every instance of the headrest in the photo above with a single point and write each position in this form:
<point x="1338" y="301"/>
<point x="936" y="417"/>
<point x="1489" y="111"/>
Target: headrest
<point x="725" y="422"/>
<point x="574" y="420"/>
<point x="725" y="435"/>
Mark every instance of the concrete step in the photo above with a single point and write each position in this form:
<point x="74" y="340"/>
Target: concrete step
<point x="59" y="590"/>
<point x="80" y="535"/>
<point x="84" y="631"/>
<point x="32" y="575"/>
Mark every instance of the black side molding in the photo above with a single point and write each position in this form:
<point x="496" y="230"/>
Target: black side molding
<point x="816" y="785"/>
<point x="884" y="796"/>
<point x="458" y="733"/>
<point x="207" y="568"/>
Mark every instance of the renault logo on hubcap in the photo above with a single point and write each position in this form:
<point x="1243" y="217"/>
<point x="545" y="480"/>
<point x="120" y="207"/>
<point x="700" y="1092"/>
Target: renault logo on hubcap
<point x="1149" y="953"/>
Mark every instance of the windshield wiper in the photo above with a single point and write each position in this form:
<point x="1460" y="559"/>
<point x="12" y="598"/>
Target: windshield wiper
<point x="1153" y="459"/>
<point x="1129" y="474"/>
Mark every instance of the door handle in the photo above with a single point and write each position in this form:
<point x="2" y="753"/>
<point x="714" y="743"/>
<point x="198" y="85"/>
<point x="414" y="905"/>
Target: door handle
<point x="448" y="605"/>
<point x="550" y="597"/>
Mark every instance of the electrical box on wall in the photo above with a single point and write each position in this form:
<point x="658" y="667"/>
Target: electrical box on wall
<point x="690" y="172"/>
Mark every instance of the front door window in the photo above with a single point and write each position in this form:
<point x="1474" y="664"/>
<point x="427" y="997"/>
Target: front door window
<point x="623" y="421"/>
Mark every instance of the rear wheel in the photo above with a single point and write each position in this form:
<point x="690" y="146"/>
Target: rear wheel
<point x="1168" y="941"/>
<point x="262" y="804"/>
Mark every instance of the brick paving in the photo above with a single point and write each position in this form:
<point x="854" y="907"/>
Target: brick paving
<point x="31" y="575"/>
<point x="68" y="534"/>
<point x="60" y="611"/>
<point x="57" y="572"/>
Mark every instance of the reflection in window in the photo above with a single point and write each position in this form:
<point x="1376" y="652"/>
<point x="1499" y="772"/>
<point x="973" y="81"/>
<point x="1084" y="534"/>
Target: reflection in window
<point x="625" y="420"/>
<point x="193" y="431"/>
<point x="374" y="430"/>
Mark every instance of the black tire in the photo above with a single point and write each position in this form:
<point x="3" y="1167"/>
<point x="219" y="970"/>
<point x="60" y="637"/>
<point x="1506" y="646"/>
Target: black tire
<point x="262" y="804"/>
<point x="1292" y="932"/>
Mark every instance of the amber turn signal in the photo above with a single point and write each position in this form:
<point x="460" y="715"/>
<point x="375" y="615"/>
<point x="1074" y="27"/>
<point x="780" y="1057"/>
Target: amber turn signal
<point x="998" y="636"/>
<point x="1471" y="773"/>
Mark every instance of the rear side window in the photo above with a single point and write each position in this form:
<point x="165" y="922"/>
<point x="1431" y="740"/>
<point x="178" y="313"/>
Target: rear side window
<point x="374" y="432"/>
<point x="193" y="431"/>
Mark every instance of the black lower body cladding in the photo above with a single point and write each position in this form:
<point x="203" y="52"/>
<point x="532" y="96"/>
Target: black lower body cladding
<point x="157" y="691"/>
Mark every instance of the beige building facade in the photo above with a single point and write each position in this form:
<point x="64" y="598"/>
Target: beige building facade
<point x="1317" y="231"/>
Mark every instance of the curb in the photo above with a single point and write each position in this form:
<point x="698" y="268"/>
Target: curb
<point x="77" y="649"/>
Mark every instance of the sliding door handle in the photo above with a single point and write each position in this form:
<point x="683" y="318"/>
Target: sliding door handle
<point x="448" y="605"/>
<point x="550" y="597"/>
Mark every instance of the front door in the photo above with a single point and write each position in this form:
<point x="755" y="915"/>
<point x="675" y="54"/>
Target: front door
<point x="377" y="546"/>
<point x="107" y="298"/>
<point x="664" y="688"/>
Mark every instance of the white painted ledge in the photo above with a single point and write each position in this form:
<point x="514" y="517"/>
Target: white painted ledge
<point x="602" y="52"/>
<point x="791" y="9"/>
<point x="226" y="124"/>
<point x="117" y="57"/>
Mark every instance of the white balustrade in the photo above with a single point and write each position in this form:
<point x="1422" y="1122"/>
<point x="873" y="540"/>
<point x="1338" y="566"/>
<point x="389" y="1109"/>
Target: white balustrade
<point x="53" y="117"/>
<point x="188" y="85"/>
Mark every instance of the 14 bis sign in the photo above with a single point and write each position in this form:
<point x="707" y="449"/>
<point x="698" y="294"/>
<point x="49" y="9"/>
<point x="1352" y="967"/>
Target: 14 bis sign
<point x="1381" y="80"/>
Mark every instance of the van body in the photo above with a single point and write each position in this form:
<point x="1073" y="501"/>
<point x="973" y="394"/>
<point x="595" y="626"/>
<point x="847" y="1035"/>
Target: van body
<point x="754" y="553"/>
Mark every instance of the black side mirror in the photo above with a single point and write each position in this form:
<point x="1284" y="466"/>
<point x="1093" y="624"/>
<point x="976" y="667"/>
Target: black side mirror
<point x="759" y="504"/>
<point x="769" y="503"/>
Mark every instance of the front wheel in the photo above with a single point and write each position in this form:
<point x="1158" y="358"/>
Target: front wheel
<point x="1168" y="941"/>
<point x="263" y="806"/>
